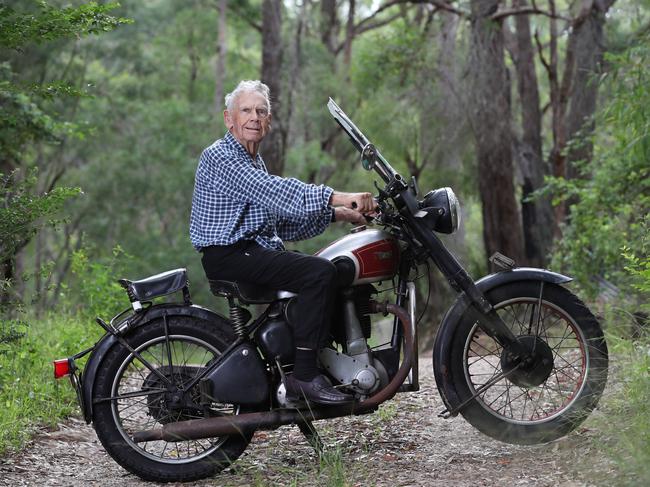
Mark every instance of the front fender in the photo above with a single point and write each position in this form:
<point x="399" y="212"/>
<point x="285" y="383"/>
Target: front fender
<point x="103" y="346"/>
<point x="442" y="344"/>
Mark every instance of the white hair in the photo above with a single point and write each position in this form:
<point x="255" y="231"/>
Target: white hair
<point x="247" y="86"/>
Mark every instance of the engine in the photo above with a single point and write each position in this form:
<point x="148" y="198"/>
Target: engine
<point x="363" y="257"/>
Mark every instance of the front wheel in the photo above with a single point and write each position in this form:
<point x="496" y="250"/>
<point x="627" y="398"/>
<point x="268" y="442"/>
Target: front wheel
<point x="553" y="392"/>
<point x="137" y="396"/>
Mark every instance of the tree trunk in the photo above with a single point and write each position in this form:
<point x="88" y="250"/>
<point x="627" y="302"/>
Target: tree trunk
<point x="589" y="47"/>
<point x="328" y="24"/>
<point x="349" y="35"/>
<point x="537" y="216"/>
<point x="295" y="70"/>
<point x="491" y="101"/>
<point x="220" y="66"/>
<point x="194" y="66"/>
<point x="443" y="147"/>
<point x="574" y="101"/>
<point x="272" y="50"/>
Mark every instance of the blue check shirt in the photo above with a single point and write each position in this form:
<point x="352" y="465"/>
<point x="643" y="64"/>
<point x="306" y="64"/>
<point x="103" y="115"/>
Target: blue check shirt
<point x="235" y="198"/>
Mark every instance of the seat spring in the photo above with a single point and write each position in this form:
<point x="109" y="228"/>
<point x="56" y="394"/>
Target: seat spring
<point x="238" y="319"/>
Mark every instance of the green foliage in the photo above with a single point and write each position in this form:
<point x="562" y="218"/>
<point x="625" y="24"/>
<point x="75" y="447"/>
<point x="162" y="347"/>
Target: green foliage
<point x="333" y="472"/>
<point x="24" y="212"/>
<point x="95" y="291"/>
<point x="639" y="267"/>
<point x="18" y="29"/>
<point x="627" y="428"/>
<point x="22" y="120"/>
<point x="608" y="236"/>
<point x="29" y="395"/>
<point x="10" y="332"/>
<point x="613" y="197"/>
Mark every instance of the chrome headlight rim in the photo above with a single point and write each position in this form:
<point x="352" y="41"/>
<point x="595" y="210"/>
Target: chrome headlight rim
<point x="454" y="209"/>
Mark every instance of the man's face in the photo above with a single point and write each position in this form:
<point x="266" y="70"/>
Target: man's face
<point x="249" y="120"/>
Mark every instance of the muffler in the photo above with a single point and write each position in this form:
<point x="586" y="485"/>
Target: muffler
<point x="240" y="424"/>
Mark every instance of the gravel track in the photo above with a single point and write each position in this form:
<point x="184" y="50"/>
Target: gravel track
<point x="403" y="444"/>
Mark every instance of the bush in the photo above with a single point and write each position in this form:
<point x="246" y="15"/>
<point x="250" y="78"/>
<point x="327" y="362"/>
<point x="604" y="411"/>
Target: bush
<point x="613" y="197"/>
<point x="606" y="240"/>
<point x="29" y="394"/>
<point x="95" y="291"/>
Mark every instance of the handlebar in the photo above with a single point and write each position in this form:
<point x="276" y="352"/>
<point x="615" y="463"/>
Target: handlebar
<point x="395" y="187"/>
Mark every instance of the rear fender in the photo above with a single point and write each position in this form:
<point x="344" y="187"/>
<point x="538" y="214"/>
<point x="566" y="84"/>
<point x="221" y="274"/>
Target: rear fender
<point x="108" y="341"/>
<point x="445" y="335"/>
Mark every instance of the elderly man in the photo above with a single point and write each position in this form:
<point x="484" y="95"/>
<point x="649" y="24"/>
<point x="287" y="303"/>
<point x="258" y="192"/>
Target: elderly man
<point x="240" y="214"/>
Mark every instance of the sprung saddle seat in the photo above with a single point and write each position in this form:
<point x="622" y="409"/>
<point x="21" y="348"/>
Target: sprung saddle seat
<point x="158" y="285"/>
<point x="245" y="292"/>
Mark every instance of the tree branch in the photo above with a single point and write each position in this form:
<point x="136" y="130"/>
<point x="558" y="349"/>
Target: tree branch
<point x="439" y="4"/>
<point x="380" y="23"/>
<point x="501" y="14"/>
<point x="443" y="5"/>
<point x="245" y="16"/>
<point x="540" y="51"/>
<point x="379" y="10"/>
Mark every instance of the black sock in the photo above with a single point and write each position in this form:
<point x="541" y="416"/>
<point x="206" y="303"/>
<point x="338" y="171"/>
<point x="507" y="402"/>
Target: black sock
<point x="305" y="367"/>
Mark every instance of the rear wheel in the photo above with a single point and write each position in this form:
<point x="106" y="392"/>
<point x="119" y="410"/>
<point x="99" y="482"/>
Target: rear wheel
<point x="546" y="397"/>
<point x="147" y="396"/>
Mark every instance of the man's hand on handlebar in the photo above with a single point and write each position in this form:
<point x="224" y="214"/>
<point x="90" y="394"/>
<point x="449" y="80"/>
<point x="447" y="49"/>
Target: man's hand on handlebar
<point x="361" y="202"/>
<point x="343" y="214"/>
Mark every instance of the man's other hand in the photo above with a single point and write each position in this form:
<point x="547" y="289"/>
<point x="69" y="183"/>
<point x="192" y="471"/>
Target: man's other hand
<point x="362" y="202"/>
<point x="344" y="214"/>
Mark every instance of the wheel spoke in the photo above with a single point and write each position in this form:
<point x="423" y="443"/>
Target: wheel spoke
<point x="505" y="398"/>
<point x="142" y="401"/>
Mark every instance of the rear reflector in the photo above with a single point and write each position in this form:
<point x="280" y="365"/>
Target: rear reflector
<point x="62" y="368"/>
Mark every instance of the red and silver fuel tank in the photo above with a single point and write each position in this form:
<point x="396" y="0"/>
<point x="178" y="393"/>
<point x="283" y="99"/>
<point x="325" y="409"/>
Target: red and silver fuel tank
<point x="365" y="255"/>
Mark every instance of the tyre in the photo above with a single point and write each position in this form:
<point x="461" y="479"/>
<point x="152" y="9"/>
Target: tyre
<point x="143" y="402"/>
<point x="547" y="397"/>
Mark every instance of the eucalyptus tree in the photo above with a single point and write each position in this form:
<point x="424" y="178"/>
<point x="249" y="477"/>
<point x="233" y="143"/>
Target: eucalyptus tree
<point x="34" y="126"/>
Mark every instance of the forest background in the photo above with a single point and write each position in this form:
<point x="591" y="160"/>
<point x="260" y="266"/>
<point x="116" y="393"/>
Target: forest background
<point x="536" y="113"/>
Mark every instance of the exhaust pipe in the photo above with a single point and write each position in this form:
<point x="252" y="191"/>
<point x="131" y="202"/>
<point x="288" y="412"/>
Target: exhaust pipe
<point x="231" y="425"/>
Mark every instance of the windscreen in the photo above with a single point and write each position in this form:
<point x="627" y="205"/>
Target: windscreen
<point x="356" y="136"/>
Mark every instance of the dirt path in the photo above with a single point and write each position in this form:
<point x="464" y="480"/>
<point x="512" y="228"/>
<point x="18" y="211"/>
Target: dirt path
<point x="403" y="444"/>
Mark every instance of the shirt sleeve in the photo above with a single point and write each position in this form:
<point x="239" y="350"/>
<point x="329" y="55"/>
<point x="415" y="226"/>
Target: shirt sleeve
<point x="302" y="229"/>
<point x="288" y="198"/>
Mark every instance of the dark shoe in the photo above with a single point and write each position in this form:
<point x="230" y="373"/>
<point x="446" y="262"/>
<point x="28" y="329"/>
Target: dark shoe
<point x="319" y="390"/>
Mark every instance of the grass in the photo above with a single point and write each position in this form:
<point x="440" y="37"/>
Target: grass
<point x="327" y="470"/>
<point x="332" y="469"/>
<point x="29" y="394"/>
<point x="626" y="427"/>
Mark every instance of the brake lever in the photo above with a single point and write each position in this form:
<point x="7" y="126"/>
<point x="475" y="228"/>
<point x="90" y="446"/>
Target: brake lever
<point x="383" y="195"/>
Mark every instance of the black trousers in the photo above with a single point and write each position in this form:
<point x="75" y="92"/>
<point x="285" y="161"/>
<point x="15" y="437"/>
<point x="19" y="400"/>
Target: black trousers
<point x="312" y="278"/>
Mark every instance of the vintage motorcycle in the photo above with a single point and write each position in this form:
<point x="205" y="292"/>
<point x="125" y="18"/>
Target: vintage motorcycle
<point x="175" y="391"/>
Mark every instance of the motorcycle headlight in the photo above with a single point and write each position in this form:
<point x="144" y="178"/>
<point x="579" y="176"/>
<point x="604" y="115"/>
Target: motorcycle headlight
<point x="442" y="209"/>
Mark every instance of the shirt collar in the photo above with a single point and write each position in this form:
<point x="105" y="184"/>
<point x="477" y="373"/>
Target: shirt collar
<point x="233" y="142"/>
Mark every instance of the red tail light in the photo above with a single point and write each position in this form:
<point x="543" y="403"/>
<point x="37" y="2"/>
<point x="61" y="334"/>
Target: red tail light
<point x="62" y="368"/>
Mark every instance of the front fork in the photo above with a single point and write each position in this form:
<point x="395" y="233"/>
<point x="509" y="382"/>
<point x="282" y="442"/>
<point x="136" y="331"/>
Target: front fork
<point x="480" y="308"/>
<point x="406" y="292"/>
